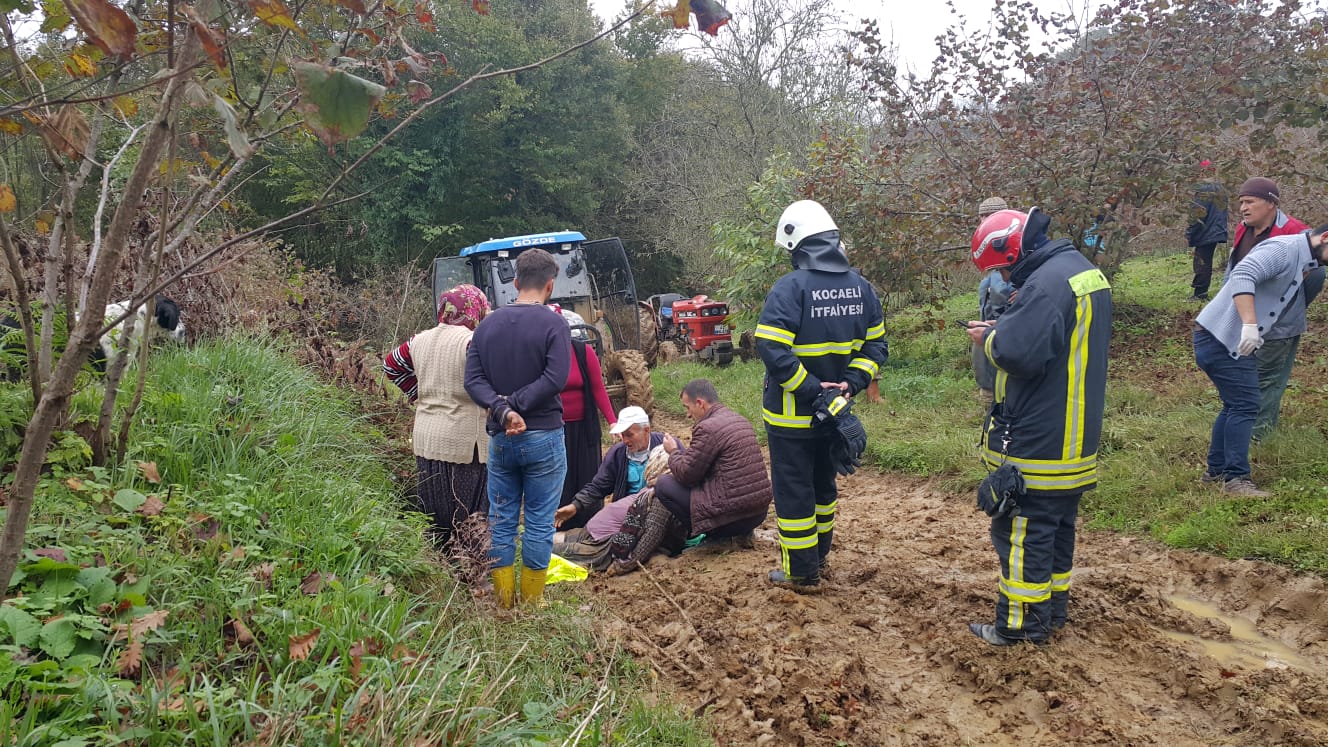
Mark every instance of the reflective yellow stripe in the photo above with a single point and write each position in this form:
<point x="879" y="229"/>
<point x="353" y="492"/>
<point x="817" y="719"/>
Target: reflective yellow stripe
<point x="1060" y="581"/>
<point x="1018" y="530"/>
<point x="1045" y="466"/>
<point x="831" y="347"/>
<point x="866" y="364"/>
<point x="826" y="509"/>
<point x="774" y="334"/>
<point x="796" y="379"/>
<point x="875" y="332"/>
<point x="795" y="525"/>
<point x="1017" y="591"/>
<point x="1075" y="375"/>
<point x="825" y="517"/>
<point x="1001" y="378"/>
<point x="786" y="421"/>
<point x="1089" y="281"/>
<point x="798" y="543"/>
<point x="825" y="526"/>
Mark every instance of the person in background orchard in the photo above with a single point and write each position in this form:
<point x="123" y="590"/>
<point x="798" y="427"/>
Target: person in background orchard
<point x="449" y="440"/>
<point x="1207" y="228"/>
<point x="1255" y="298"/>
<point x="994" y="294"/>
<point x="1050" y="354"/>
<point x="581" y="432"/>
<point x="517" y="365"/>
<point x="1260" y="220"/>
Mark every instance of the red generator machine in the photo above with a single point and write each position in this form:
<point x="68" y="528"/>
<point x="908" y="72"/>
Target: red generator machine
<point x="700" y="324"/>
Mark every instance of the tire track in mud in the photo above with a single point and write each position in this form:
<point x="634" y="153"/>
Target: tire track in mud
<point x="1163" y="647"/>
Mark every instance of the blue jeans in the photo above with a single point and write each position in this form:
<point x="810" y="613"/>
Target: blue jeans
<point x="1237" y="382"/>
<point x="1275" y="358"/>
<point x="525" y="471"/>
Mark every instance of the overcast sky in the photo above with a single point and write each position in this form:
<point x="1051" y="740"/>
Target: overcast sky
<point x="913" y="24"/>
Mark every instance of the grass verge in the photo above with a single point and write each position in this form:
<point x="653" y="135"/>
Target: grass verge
<point x="249" y="576"/>
<point x="1160" y="409"/>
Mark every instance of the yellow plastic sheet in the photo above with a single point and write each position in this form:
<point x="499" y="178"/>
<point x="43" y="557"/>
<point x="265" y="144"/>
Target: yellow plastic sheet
<point x="561" y="569"/>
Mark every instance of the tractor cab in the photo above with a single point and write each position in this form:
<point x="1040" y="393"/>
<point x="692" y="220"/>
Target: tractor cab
<point x="594" y="280"/>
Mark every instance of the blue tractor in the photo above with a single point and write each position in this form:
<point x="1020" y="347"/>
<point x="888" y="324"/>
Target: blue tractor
<point x="594" y="280"/>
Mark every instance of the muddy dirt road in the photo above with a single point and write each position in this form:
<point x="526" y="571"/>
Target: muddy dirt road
<point x="1163" y="647"/>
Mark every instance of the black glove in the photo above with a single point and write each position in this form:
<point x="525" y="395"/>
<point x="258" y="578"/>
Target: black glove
<point x="829" y="405"/>
<point x="849" y="443"/>
<point x="1000" y="491"/>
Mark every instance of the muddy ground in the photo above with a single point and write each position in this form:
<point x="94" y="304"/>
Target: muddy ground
<point x="1163" y="647"/>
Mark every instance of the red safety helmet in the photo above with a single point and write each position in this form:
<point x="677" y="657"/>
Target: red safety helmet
<point x="997" y="241"/>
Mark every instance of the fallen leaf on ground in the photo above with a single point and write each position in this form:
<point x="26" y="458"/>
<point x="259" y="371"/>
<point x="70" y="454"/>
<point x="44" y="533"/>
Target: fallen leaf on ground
<point x="152" y="506"/>
<point x="313" y="583"/>
<point x="302" y="645"/>
<point x="149" y="470"/>
<point x="54" y="553"/>
<point x="130" y="659"/>
<point x="148" y="622"/>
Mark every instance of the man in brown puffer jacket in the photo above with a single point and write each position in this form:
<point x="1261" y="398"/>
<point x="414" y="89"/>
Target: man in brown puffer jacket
<point x="718" y="486"/>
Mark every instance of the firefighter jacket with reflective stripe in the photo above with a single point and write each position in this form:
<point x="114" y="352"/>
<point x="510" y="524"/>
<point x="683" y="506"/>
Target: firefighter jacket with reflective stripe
<point x="1050" y="352"/>
<point x="816" y="326"/>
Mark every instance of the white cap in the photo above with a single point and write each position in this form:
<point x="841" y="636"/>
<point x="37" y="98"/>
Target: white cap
<point x="628" y="417"/>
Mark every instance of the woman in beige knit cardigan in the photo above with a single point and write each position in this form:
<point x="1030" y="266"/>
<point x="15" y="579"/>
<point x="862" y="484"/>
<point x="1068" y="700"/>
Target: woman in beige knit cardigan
<point x="450" y="443"/>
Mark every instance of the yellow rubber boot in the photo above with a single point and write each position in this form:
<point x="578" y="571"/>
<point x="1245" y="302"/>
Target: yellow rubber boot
<point x="504" y="585"/>
<point x="532" y="587"/>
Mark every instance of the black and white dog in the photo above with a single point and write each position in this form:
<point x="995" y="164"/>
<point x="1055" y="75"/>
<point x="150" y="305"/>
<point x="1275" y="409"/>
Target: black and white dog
<point x="167" y="320"/>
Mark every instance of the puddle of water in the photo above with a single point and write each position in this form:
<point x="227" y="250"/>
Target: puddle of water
<point x="1250" y="649"/>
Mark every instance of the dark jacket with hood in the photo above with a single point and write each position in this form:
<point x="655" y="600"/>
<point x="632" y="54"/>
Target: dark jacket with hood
<point x="821" y="322"/>
<point x="1050" y="352"/>
<point x="1208" y="216"/>
<point x="611" y="477"/>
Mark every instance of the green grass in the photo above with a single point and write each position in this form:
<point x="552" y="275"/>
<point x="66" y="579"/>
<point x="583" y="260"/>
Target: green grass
<point x="1160" y="409"/>
<point x="268" y="480"/>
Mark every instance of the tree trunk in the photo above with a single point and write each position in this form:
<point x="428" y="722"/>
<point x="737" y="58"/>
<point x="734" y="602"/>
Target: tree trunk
<point x="54" y="403"/>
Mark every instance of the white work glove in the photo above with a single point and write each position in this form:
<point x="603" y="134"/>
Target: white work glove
<point x="1249" y="339"/>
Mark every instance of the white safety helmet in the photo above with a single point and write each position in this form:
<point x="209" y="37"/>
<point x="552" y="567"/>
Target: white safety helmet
<point x="802" y="219"/>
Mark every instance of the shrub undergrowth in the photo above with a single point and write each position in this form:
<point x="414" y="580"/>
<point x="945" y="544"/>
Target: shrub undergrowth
<point x="249" y="575"/>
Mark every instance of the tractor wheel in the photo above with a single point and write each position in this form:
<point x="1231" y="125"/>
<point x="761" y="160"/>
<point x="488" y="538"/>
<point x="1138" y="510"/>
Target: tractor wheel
<point x="648" y="324"/>
<point x="723" y="353"/>
<point x="669" y="352"/>
<point x="628" y="380"/>
<point x="747" y="345"/>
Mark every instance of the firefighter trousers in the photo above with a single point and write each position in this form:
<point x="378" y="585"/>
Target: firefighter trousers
<point x="1036" y="549"/>
<point x="802" y="478"/>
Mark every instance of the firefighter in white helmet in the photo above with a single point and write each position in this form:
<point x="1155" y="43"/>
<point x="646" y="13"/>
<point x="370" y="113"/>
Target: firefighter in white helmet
<point x="822" y="339"/>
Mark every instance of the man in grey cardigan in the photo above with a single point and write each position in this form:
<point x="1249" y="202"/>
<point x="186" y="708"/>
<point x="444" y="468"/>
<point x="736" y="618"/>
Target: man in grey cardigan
<point x="1256" y="296"/>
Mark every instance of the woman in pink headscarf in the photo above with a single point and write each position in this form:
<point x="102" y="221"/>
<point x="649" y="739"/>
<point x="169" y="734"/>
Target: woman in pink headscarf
<point x="451" y="446"/>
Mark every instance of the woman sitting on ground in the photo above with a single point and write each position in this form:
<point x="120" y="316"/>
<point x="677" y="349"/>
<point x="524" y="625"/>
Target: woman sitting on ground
<point x="626" y="529"/>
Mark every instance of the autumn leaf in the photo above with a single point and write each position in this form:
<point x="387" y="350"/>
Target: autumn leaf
<point x="274" y="13"/>
<point x="73" y="483"/>
<point x="205" y="36"/>
<point x="80" y="66"/>
<point x="151" y="507"/>
<point x="236" y="630"/>
<point x="149" y="470"/>
<point x="710" y="15"/>
<point x="10" y="126"/>
<point x="130" y="659"/>
<point x="106" y="26"/>
<point x="423" y="15"/>
<point x="54" y="553"/>
<point x="147" y="623"/>
<point x="41" y="227"/>
<point x="55" y="17"/>
<point x="66" y="133"/>
<point x="263" y="573"/>
<point x="354" y="6"/>
<point x="125" y="106"/>
<point x="303" y="645"/>
<point x="418" y="91"/>
<point x="480" y="6"/>
<point x="313" y="583"/>
<point x="8" y="202"/>
<point x="679" y="14"/>
<point x="336" y="104"/>
<point x="206" y="528"/>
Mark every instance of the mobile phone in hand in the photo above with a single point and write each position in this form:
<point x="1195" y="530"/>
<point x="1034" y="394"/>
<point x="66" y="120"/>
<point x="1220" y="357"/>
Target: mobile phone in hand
<point x="961" y="323"/>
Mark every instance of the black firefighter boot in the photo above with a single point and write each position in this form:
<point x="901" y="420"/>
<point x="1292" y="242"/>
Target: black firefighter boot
<point x="799" y="584"/>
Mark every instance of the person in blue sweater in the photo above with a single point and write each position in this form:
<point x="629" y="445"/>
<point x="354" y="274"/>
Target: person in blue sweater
<point x="517" y="364"/>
